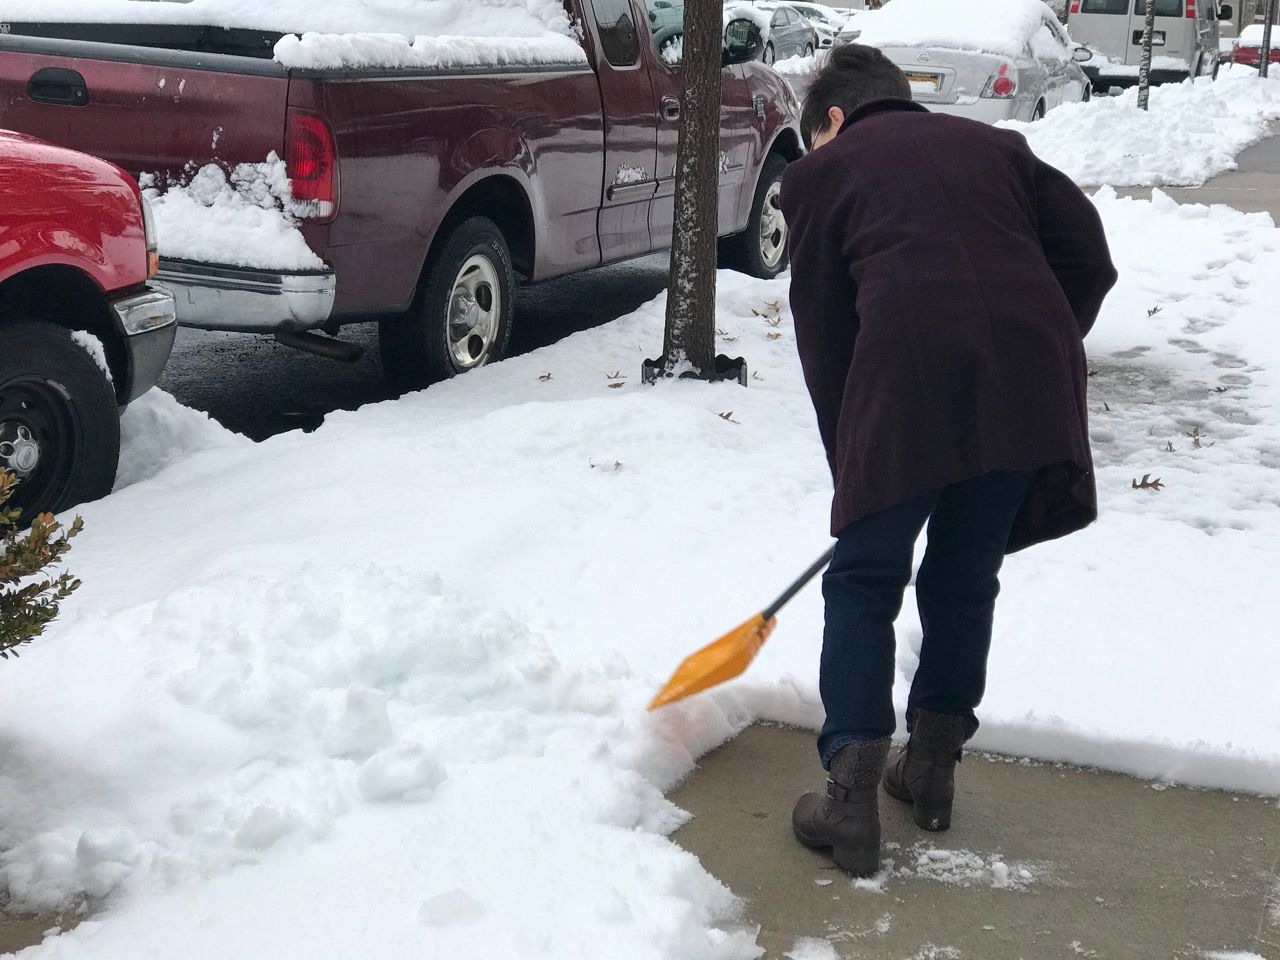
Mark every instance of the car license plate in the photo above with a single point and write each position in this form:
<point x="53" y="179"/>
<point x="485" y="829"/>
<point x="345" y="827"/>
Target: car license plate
<point x="924" y="82"/>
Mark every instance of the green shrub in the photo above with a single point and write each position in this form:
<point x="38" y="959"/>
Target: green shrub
<point x="29" y="599"/>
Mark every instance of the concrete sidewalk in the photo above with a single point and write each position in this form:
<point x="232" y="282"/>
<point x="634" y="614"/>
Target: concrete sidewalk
<point x="1041" y="862"/>
<point x="1254" y="187"/>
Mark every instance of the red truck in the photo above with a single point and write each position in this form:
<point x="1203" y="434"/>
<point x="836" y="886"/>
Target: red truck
<point x="428" y="194"/>
<point x="81" y="331"/>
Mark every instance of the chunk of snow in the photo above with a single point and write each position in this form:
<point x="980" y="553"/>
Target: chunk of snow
<point x="93" y="346"/>
<point x="1003" y="27"/>
<point x="241" y="220"/>
<point x="427" y="33"/>
<point x="812" y="948"/>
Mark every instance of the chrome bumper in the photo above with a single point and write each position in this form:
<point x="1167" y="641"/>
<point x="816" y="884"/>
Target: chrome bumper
<point x="147" y="322"/>
<point x="144" y="312"/>
<point x="245" y="300"/>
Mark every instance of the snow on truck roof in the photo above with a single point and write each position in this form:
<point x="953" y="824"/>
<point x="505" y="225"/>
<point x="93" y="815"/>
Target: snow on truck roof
<point x="352" y="33"/>
<point x="991" y="26"/>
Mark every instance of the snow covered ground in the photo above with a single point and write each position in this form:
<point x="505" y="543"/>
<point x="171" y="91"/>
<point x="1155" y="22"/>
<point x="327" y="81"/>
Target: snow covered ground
<point x="379" y="690"/>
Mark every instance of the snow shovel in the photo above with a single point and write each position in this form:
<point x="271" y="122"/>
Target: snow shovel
<point x="731" y="654"/>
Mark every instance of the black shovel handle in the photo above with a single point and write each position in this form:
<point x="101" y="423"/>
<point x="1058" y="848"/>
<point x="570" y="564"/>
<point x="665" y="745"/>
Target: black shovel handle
<point x="799" y="585"/>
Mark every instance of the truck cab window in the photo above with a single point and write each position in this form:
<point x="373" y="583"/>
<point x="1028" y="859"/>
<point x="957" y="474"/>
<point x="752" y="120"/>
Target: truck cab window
<point x="666" y="24"/>
<point x="617" y="29"/>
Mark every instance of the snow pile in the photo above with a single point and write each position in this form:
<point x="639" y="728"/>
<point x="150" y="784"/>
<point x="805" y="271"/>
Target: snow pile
<point x="1002" y="27"/>
<point x="1251" y="36"/>
<point x="396" y="669"/>
<point x="355" y="33"/>
<point x="1193" y="131"/>
<point x="1108" y="67"/>
<point x="241" y="220"/>
<point x="156" y="430"/>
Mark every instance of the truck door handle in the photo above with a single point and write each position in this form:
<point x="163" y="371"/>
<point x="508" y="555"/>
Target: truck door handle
<point x="670" y="108"/>
<point x="66" y="88"/>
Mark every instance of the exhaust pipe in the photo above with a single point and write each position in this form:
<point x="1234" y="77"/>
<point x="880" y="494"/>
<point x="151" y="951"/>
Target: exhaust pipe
<point x="322" y="346"/>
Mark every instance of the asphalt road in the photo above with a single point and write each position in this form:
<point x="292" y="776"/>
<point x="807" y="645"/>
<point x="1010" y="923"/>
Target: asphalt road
<point x="257" y="387"/>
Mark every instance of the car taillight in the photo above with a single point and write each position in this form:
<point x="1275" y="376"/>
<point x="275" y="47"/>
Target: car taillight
<point x="1075" y="6"/>
<point x="1001" y="84"/>
<point x="312" y="158"/>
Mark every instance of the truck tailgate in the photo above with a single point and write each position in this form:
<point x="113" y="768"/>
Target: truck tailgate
<point x="148" y="110"/>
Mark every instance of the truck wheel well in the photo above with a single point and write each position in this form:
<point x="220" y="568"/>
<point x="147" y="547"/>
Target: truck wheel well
<point x="787" y="146"/>
<point x="69" y="298"/>
<point x="503" y="201"/>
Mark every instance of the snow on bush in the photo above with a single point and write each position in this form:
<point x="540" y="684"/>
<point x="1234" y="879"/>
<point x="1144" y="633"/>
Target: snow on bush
<point x="1193" y="131"/>
<point x="241" y="220"/>
<point x="428" y="33"/>
<point x="992" y="26"/>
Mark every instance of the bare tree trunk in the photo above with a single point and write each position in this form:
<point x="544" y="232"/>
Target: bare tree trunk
<point x="1144" y="70"/>
<point x="690" y="339"/>
<point x="1266" y="39"/>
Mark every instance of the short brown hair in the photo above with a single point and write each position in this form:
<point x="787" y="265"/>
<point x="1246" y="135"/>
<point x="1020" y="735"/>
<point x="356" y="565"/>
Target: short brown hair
<point x="853" y="75"/>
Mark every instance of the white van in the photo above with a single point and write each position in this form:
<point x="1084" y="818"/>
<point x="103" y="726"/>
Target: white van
<point x="1184" y="44"/>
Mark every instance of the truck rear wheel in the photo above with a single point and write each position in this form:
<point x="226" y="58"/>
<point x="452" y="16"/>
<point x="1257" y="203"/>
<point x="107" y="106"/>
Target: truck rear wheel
<point x="461" y="317"/>
<point x="761" y="249"/>
<point x="59" y="423"/>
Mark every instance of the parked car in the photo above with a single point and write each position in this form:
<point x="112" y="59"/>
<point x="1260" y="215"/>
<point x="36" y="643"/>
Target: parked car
<point x="1184" y="41"/>
<point x="786" y="32"/>
<point x="1247" y="48"/>
<point x="1014" y="63"/>
<point x="427" y="192"/>
<point x="82" y="332"/>
<point x="826" y="21"/>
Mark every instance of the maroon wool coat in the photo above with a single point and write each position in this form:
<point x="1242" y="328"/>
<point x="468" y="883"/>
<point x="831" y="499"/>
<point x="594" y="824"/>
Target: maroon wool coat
<point x="942" y="281"/>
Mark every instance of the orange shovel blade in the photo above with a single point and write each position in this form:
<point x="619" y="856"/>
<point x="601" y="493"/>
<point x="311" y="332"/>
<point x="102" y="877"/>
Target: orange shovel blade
<point x="717" y="662"/>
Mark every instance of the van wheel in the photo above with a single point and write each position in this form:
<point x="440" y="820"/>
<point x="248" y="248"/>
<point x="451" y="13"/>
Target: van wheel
<point x="808" y="49"/>
<point x="59" y="423"/>
<point x="461" y="318"/>
<point x="761" y="249"/>
<point x="1088" y="93"/>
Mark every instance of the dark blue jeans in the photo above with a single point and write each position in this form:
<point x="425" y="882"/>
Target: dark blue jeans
<point x="956" y="589"/>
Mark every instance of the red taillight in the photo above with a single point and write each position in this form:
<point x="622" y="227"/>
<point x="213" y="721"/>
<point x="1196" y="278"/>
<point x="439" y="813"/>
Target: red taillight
<point x="1191" y="9"/>
<point x="1002" y="87"/>
<point x="1075" y="6"/>
<point x="312" y="158"/>
<point x="1001" y="84"/>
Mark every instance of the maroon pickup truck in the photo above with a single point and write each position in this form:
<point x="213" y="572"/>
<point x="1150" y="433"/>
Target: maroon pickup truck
<point x="428" y="194"/>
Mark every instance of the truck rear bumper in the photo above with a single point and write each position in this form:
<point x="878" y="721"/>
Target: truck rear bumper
<point x="146" y="322"/>
<point x="248" y="300"/>
<point x="1102" y="81"/>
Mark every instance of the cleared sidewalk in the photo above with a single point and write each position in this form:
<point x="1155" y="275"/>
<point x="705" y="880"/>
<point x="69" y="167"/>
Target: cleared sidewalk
<point x="1041" y="862"/>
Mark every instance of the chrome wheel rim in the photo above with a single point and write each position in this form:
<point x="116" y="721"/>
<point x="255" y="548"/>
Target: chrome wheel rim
<point x="773" y="227"/>
<point x="475" y="313"/>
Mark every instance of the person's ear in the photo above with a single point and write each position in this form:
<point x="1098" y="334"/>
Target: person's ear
<point x="835" y="117"/>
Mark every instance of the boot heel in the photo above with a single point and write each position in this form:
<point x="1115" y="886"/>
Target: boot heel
<point x="936" y="819"/>
<point x="859" y="862"/>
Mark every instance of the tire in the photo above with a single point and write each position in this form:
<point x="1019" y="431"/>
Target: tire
<point x="59" y="422"/>
<point x="761" y="249"/>
<point x="1088" y="93"/>
<point x="770" y="55"/>
<point x="461" y="318"/>
<point x="808" y="49"/>
<point x="1039" y="111"/>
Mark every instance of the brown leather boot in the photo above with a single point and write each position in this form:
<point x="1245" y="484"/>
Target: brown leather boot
<point x="923" y="773"/>
<point x="847" y="819"/>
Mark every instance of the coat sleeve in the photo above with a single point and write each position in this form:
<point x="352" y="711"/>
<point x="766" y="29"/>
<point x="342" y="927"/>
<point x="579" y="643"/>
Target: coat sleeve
<point x="823" y="297"/>
<point x="1074" y="242"/>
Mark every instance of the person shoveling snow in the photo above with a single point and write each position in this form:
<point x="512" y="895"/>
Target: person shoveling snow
<point x="943" y="280"/>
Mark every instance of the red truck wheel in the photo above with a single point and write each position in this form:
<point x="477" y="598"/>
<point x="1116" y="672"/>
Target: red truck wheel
<point x="461" y="318"/>
<point x="761" y="249"/>
<point x="59" y="424"/>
